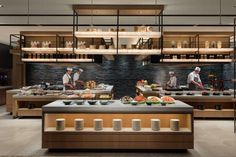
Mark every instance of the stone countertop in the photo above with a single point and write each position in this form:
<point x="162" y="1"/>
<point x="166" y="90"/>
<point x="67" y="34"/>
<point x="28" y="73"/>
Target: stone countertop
<point x="5" y="87"/>
<point x="116" y="107"/>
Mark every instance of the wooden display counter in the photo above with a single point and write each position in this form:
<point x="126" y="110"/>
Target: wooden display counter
<point x="3" y="90"/>
<point x="126" y="138"/>
<point x="31" y="105"/>
<point x="204" y="105"/>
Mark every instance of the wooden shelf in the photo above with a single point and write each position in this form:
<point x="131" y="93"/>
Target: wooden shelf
<point x="38" y="60"/>
<point x="215" y="50"/>
<point x="29" y="112"/>
<point x="105" y="34"/>
<point x="180" y="50"/>
<point x="120" y="51"/>
<point x="75" y="60"/>
<point x="213" y="113"/>
<point x="29" y="49"/>
<point x="216" y="60"/>
<point x="139" y="51"/>
<point x="149" y="130"/>
<point x="180" y="60"/>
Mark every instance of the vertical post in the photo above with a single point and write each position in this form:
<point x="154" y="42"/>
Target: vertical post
<point x="73" y="31"/>
<point x="198" y="48"/>
<point x="77" y="28"/>
<point x="117" y="32"/>
<point x="161" y="28"/>
<point x="234" y="75"/>
<point x="21" y="46"/>
<point x="57" y="53"/>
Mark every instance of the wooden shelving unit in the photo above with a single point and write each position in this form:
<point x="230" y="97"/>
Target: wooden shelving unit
<point x="152" y="38"/>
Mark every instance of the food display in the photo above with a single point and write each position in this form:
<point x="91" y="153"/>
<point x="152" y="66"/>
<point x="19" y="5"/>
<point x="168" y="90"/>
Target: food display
<point x="133" y="102"/>
<point x="92" y="102"/>
<point x="216" y="93"/>
<point x="179" y="93"/>
<point x="168" y="99"/>
<point x="90" y="84"/>
<point x="189" y="93"/>
<point x="167" y="93"/>
<point x="103" y="102"/>
<point x="140" y="99"/>
<point x="226" y="93"/>
<point x="104" y="96"/>
<point x="153" y="100"/>
<point x="141" y="82"/>
<point x="205" y="93"/>
<point x="126" y="99"/>
<point x="87" y="94"/>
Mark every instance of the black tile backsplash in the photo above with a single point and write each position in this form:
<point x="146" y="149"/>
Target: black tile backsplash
<point x="124" y="72"/>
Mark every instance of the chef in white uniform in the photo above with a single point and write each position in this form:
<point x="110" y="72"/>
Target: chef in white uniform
<point x="172" y="83"/>
<point x="194" y="81"/>
<point x="67" y="80"/>
<point x="78" y="84"/>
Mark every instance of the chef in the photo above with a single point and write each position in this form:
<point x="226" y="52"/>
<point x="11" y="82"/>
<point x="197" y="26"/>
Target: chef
<point x="172" y="83"/>
<point x="67" y="80"/>
<point x="194" y="81"/>
<point x="78" y="84"/>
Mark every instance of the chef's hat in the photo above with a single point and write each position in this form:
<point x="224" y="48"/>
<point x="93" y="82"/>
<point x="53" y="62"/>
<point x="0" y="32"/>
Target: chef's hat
<point x="197" y="69"/>
<point x="69" y="69"/>
<point x="81" y="70"/>
<point x="171" y="72"/>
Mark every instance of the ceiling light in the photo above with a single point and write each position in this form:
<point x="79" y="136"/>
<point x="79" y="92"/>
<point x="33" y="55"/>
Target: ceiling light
<point x="234" y="6"/>
<point x="1" y="6"/>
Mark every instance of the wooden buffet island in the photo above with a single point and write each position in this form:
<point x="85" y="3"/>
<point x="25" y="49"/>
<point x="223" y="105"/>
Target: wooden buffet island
<point x="126" y="138"/>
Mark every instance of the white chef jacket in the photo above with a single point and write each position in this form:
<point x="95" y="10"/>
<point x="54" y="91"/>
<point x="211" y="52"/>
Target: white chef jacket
<point x="172" y="82"/>
<point x="75" y="78"/>
<point x="66" y="78"/>
<point x="191" y="77"/>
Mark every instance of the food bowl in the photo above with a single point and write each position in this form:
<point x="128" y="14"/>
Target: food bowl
<point x="103" y="102"/>
<point x="178" y="93"/>
<point x="79" y="102"/>
<point x="67" y="102"/>
<point x="148" y="103"/>
<point x="92" y="102"/>
<point x="134" y="102"/>
<point x="163" y="103"/>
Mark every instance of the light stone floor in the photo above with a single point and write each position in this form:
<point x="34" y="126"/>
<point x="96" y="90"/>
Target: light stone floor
<point x="22" y="137"/>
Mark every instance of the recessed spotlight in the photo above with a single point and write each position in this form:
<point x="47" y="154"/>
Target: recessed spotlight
<point x="1" y="6"/>
<point x="234" y="6"/>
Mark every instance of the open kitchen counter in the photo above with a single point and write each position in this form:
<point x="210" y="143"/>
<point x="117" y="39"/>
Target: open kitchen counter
<point x="207" y="104"/>
<point x="69" y="136"/>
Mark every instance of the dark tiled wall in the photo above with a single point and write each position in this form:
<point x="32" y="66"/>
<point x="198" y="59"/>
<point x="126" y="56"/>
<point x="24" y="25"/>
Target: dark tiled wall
<point x="124" y="72"/>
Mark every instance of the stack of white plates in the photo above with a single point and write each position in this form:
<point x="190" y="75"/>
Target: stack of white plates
<point x="155" y="124"/>
<point x="98" y="124"/>
<point x="136" y="124"/>
<point x="174" y="124"/>
<point x="79" y="124"/>
<point x="60" y="124"/>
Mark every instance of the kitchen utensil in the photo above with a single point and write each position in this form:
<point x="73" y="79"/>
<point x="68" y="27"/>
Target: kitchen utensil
<point x="92" y="102"/>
